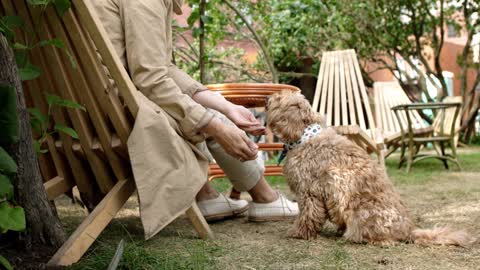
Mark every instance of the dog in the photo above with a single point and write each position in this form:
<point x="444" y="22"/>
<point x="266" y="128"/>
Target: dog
<point x="336" y="180"/>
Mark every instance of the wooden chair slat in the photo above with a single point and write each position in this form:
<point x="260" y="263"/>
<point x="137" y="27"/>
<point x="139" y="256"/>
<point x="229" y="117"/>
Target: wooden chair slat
<point x="364" y="94"/>
<point x="331" y="90"/>
<point x="357" y="89"/>
<point x="350" y="99"/>
<point x="324" y="82"/>
<point x="336" y="88"/>
<point x="316" y="97"/>
<point x="343" y="91"/>
<point x="356" y="95"/>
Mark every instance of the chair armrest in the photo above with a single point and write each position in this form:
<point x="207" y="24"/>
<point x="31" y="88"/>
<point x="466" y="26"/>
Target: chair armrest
<point x="250" y="95"/>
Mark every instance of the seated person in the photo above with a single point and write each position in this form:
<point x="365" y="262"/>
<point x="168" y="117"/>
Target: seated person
<point x="141" y="32"/>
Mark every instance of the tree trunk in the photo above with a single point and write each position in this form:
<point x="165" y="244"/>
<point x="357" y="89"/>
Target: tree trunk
<point x="43" y="225"/>
<point x="201" y="49"/>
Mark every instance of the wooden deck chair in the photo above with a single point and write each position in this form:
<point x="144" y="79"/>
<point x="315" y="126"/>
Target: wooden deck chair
<point x="386" y="96"/>
<point x="341" y="96"/>
<point x="97" y="163"/>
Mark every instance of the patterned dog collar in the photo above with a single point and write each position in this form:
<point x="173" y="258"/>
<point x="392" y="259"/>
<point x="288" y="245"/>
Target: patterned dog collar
<point x="308" y="133"/>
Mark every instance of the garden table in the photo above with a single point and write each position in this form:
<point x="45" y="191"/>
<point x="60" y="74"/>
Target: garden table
<point x="446" y="116"/>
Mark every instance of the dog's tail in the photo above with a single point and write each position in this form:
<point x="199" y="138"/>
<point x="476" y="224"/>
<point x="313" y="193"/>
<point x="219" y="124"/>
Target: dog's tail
<point x="444" y="236"/>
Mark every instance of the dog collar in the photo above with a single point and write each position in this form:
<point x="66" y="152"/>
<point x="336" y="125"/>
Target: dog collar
<point x="308" y="133"/>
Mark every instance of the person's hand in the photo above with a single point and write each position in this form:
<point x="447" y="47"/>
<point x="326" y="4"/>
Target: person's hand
<point x="233" y="140"/>
<point x="244" y="119"/>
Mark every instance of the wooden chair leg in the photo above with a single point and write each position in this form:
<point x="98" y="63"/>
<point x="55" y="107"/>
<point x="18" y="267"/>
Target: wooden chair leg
<point x="402" y="156"/>
<point x="411" y="154"/>
<point x="199" y="222"/>
<point x="442" y="148"/>
<point x="382" y="158"/>
<point x="93" y="225"/>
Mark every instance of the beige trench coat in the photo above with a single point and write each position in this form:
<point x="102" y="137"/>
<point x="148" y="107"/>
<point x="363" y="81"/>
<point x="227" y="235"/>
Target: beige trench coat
<point x="168" y="169"/>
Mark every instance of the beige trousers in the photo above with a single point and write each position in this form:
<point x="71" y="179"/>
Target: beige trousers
<point x="243" y="175"/>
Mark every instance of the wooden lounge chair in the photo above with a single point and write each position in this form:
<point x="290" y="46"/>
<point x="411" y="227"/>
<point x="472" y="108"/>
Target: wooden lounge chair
<point x="341" y="96"/>
<point x="386" y="96"/>
<point x="97" y="163"/>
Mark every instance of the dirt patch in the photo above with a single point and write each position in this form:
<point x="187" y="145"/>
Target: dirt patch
<point x="34" y="258"/>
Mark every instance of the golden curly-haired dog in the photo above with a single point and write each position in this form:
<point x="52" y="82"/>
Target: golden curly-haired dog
<point x="336" y="180"/>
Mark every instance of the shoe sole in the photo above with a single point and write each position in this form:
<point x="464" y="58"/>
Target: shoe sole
<point x="225" y="215"/>
<point x="271" y="218"/>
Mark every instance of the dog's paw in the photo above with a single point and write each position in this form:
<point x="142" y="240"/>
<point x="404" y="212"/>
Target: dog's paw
<point x="298" y="233"/>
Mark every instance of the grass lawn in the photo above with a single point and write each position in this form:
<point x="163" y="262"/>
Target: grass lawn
<point x="433" y="195"/>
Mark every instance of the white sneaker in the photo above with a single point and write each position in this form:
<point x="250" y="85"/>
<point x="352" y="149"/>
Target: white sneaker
<point x="280" y="209"/>
<point x="222" y="207"/>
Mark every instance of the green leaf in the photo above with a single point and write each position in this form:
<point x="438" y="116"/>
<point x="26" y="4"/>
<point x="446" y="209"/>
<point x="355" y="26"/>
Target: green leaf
<point x="19" y="46"/>
<point x="39" y="2"/>
<point x="8" y="115"/>
<point x="36" y="125"/>
<point x="71" y="104"/>
<point x="11" y="217"/>
<point x="54" y="42"/>
<point x="37" y="119"/>
<point x="62" y="6"/>
<point x="4" y="262"/>
<point x="193" y="17"/>
<point x="7" y="25"/>
<point x="11" y="21"/>
<point x="206" y="19"/>
<point x="69" y="131"/>
<point x="29" y="72"/>
<point x="37" y="114"/>
<point x="7" y="32"/>
<point x="38" y="148"/>
<point x="6" y="188"/>
<point x="54" y="100"/>
<point x="7" y="164"/>
<point x="21" y="57"/>
<point x="197" y="31"/>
